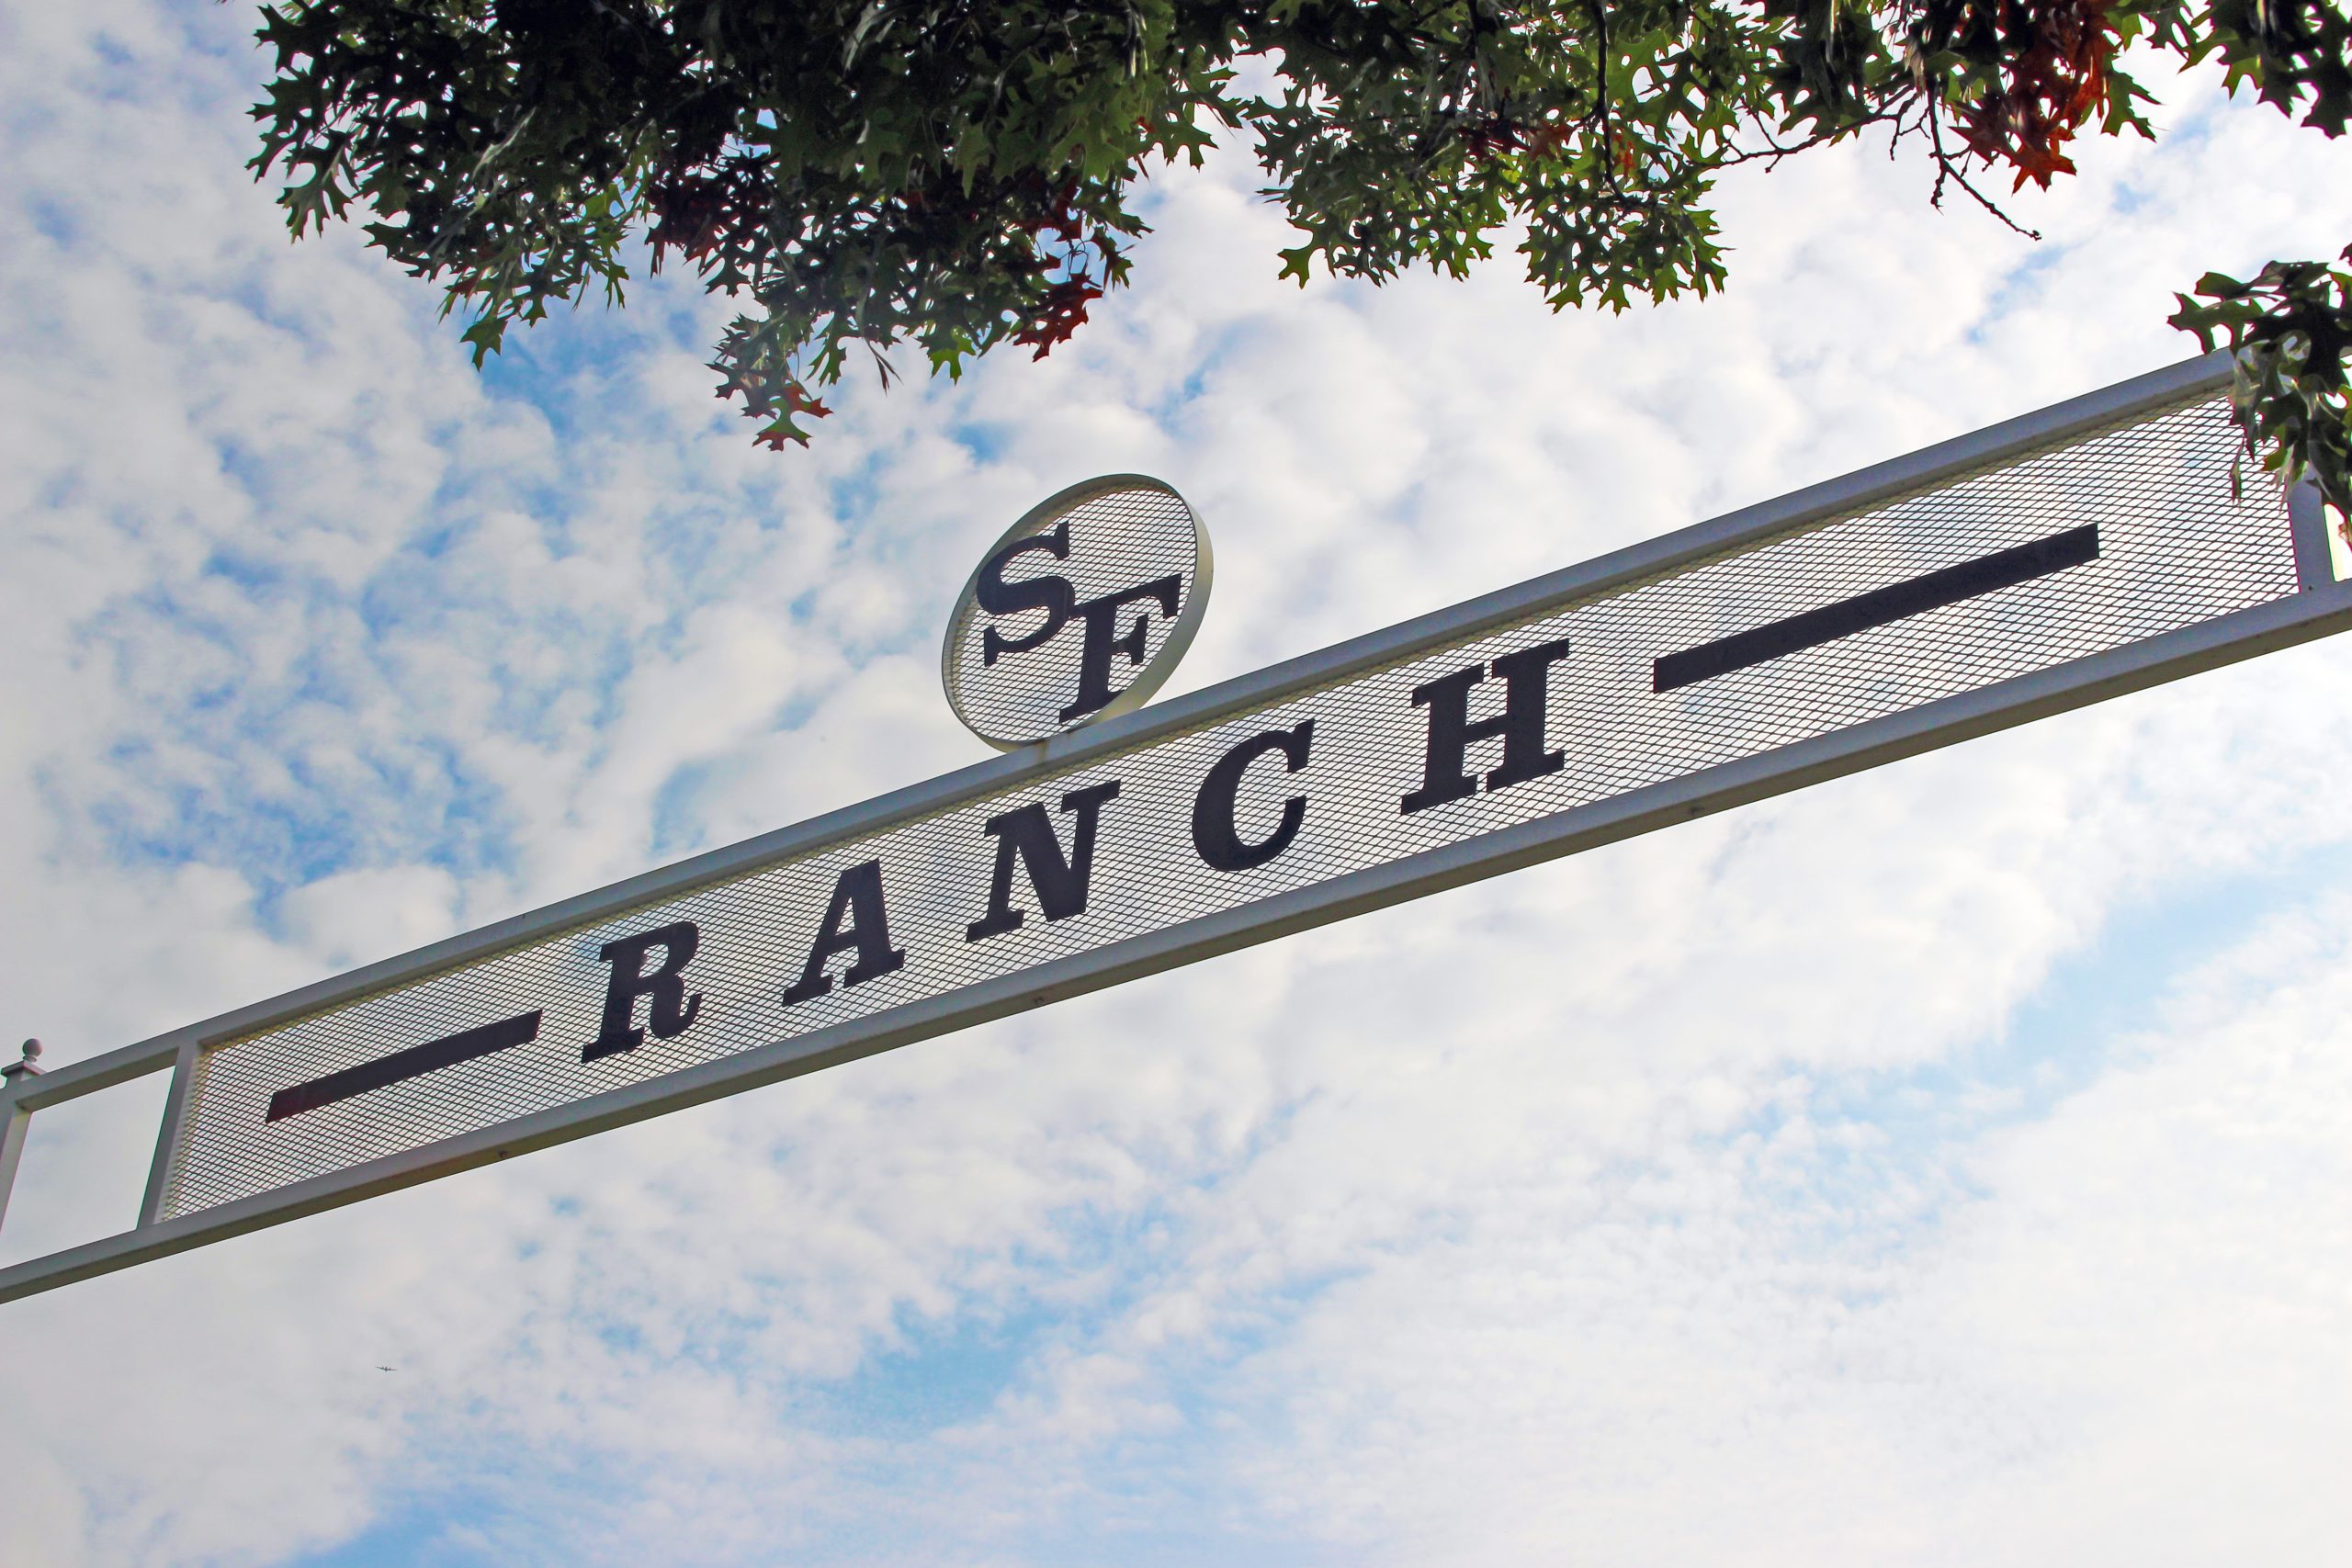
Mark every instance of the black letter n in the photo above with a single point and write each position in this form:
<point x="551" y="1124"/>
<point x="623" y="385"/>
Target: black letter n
<point x="1059" y="880"/>
<point x="669" y="1009"/>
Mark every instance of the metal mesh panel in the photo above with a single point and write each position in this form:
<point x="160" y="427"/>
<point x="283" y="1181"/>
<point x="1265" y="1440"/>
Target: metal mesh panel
<point x="2175" y="548"/>
<point x="1117" y="540"/>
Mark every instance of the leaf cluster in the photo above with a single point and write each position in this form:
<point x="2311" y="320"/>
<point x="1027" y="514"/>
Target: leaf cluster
<point x="960" y="175"/>
<point x="2291" y="326"/>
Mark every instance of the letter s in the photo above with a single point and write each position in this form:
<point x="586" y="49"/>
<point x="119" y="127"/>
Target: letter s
<point x="1052" y="592"/>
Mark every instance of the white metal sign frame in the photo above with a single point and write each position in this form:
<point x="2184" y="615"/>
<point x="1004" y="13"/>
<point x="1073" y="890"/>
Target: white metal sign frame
<point x="2322" y="605"/>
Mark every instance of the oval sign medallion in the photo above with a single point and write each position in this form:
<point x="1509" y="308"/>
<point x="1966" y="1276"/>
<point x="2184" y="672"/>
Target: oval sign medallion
<point x="1079" y="613"/>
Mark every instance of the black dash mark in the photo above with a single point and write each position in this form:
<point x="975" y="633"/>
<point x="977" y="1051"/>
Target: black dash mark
<point x="2004" y="569"/>
<point x="463" y="1047"/>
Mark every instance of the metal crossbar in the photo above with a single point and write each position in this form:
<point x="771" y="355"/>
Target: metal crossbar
<point x="2092" y="549"/>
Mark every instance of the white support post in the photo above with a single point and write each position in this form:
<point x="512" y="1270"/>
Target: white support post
<point x="15" y="1119"/>
<point x="15" y="1122"/>
<point x="159" y="1173"/>
<point x="2307" y="525"/>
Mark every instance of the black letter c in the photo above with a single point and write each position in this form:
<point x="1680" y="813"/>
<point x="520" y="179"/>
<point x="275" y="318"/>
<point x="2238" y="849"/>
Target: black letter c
<point x="1213" y="833"/>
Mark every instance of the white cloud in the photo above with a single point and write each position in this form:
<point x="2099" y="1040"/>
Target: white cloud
<point x="1718" y="1194"/>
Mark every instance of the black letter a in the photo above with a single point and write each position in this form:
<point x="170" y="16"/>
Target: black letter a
<point x="855" y="921"/>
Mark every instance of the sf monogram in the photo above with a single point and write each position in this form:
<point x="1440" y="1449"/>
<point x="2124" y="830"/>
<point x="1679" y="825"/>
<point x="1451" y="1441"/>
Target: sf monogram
<point x="1102" y="617"/>
<point x="1079" y="613"/>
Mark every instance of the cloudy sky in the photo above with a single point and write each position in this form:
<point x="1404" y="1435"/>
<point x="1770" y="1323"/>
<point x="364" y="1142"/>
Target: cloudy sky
<point x="1949" y="1164"/>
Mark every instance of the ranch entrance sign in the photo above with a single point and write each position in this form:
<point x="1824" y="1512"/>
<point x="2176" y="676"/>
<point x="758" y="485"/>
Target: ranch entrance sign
<point x="2074" y="555"/>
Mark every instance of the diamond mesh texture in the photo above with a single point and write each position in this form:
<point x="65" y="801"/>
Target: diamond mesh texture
<point x="2176" y="549"/>
<point x="1118" y="540"/>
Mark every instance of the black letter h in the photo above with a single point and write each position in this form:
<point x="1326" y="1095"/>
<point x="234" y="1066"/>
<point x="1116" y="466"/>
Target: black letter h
<point x="1444" y="767"/>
